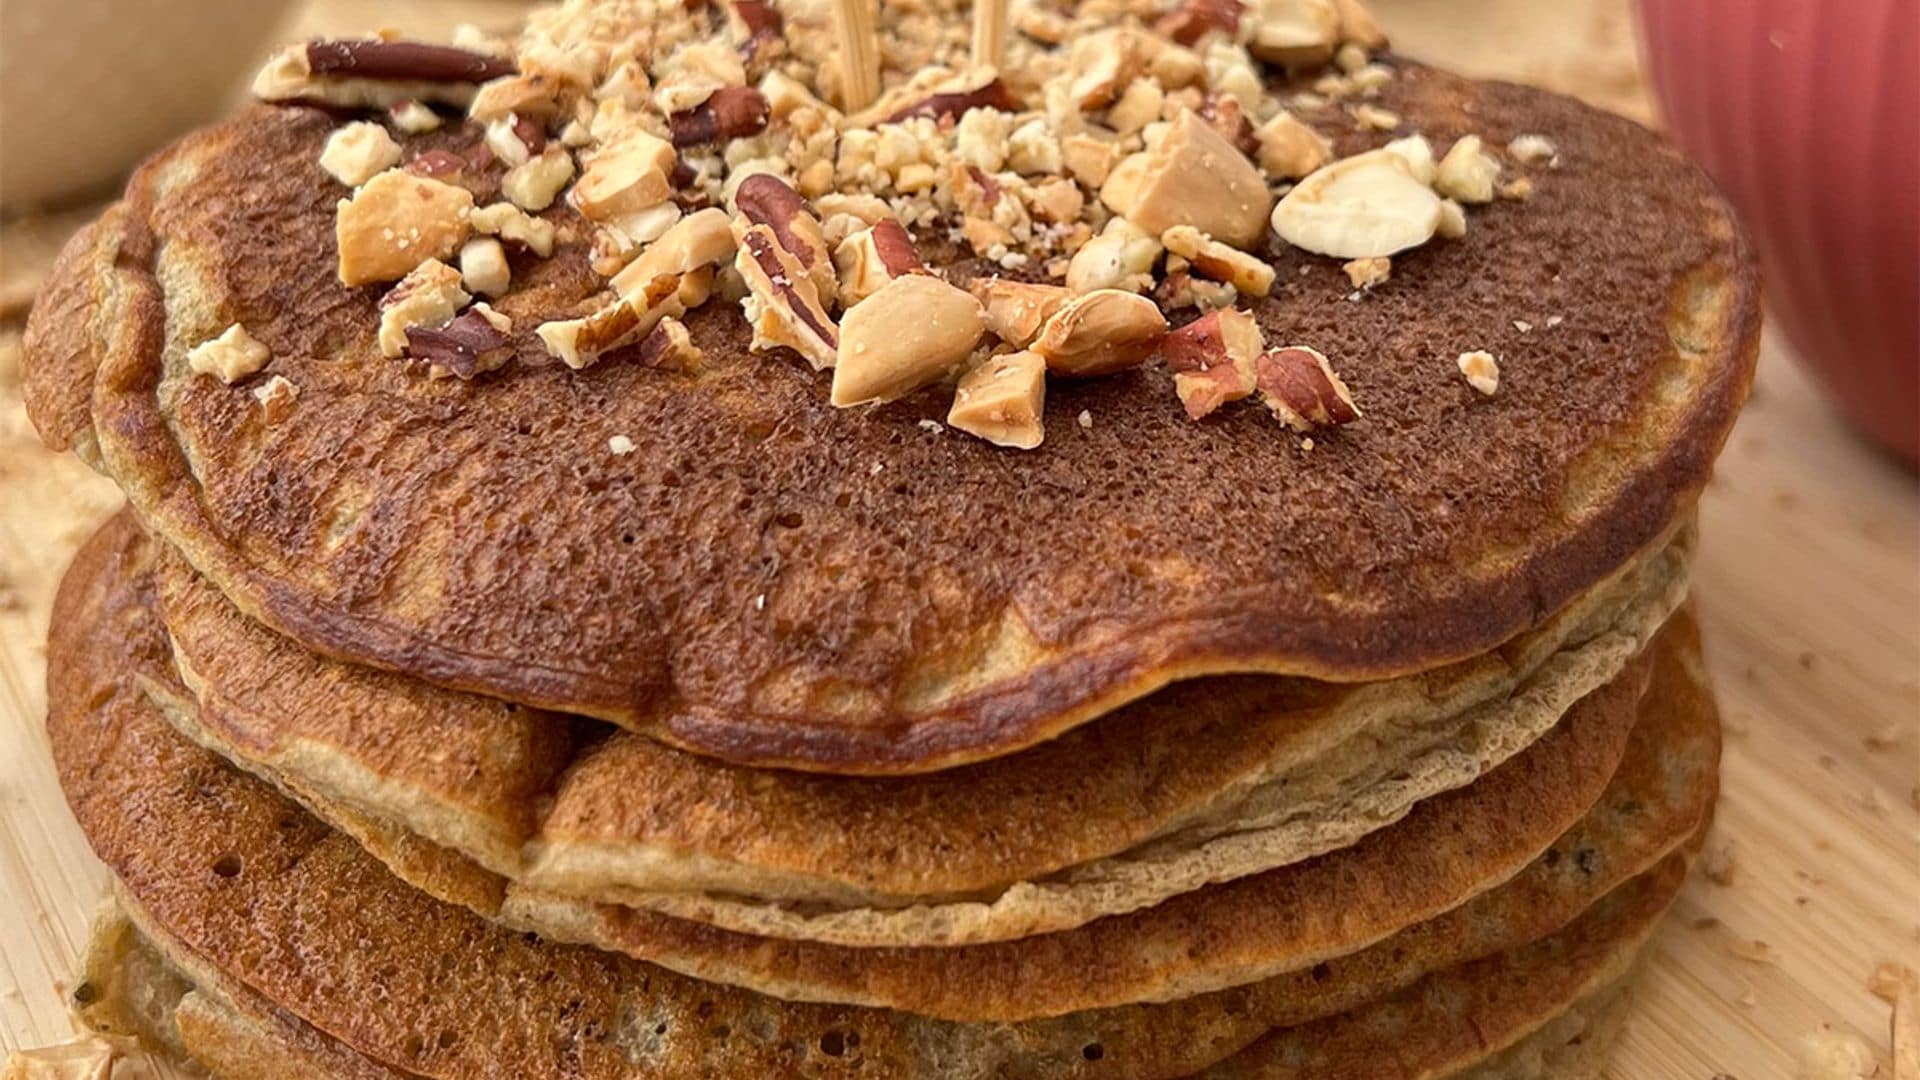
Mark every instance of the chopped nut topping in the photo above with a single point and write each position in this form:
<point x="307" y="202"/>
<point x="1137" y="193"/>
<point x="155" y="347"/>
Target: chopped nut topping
<point x="515" y="226"/>
<point x="1101" y="332"/>
<point x="232" y="356"/>
<point x="1453" y="220"/>
<point x="1357" y="25"/>
<point x="429" y="295"/>
<point x="475" y="341"/>
<point x="580" y="343"/>
<point x="1194" y="19"/>
<point x="768" y="202"/>
<point x="1374" y="118"/>
<point x="629" y="174"/>
<point x="358" y="152"/>
<point x="1300" y="387"/>
<point x="1533" y="149"/>
<point x="1417" y="152"/>
<point x="371" y="74"/>
<point x="1293" y="32"/>
<point x="1003" y="401"/>
<point x="730" y="112"/>
<point x="1089" y="159"/>
<point x="396" y="220"/>
<point x="1212" y="259"/>
<point x="669" y="347"/>
<point x="483" y="267"/>
<point x="1121" y="257"/>
<point x="699" y="240"/>
<point x="1519" y="189"/>
<point x="1468" y="172"/>
<point x="1193" y="177"/>
<point x="914" y="331"/>
<point x="1289" y="149"/>
<point x="784" y="304"/>
<point x="535" y="184"/>
<point x="1368" y="272"/>
<point x="414" y="117"/>
<point x="1482" y="371"/>
<point x="1016" y="311"/>
<point x="1214" y="360"/>
<point x="871" y="257"/>
<point x="1367" y="205"/>
<point x="276" y="397"/>
<point x="378" y="58"/>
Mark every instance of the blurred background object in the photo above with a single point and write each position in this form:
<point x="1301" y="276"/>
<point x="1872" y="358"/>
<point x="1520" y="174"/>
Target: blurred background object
<point x="88" y="87"/>
<point x="1806" y="115"/>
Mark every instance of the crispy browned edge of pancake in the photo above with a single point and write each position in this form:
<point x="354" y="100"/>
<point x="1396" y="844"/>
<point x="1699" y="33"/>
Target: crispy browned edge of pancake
<point x="1062" y="693"/>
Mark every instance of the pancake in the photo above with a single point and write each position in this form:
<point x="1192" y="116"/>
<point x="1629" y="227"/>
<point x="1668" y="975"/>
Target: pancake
<point x="776" y="582"/>
<point x="1280" y="924"/>
<point x="1203" y="782"/>
<point x="236" y="1033"/>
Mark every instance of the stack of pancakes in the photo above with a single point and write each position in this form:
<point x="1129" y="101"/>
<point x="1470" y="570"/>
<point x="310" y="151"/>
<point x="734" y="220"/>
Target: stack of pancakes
<point x="427" y="738"/>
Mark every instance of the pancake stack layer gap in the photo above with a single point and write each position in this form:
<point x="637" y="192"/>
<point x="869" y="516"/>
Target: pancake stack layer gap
<point x="1167" y="557"/>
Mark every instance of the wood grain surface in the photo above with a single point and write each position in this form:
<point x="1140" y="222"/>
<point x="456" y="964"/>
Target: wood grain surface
<point x="1809" y="580"/>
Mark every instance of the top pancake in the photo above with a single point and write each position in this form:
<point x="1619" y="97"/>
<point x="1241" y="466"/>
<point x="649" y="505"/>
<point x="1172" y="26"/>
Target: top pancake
<point x="774" y="581"/>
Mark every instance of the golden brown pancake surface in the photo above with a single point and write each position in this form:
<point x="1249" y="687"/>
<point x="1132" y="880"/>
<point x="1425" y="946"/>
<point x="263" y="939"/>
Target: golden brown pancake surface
<point x="771" y="580"/>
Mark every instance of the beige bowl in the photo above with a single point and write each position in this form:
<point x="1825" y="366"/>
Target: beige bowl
<point x="88" y="87"/>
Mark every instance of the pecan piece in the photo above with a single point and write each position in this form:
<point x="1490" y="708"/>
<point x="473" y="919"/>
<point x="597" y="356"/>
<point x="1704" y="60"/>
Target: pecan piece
<point x="1214" y="360"/>
<point x="1212" y="259"/>
<point x="868" y="259"/>
<point x="766" y="200"/>
<point x="1101" y="332"/>
<point x="582" y="342"/>
<point x="376" y="59"/>
<point x="701" y="239"/>
<point x="1003" y="401"/>
<point x="993" y="94"/>
<point x="1193" y="19"/>
<point x="758" y="29"/>
<point x="429" y="295"/>
<point x="669" y="347"/>
<point x="783" y="302"/>
<point x="475" y="341"/>
<point x="730" y="112"/>
<point x="914" y="331"/>
<point x="1300" y="386"/>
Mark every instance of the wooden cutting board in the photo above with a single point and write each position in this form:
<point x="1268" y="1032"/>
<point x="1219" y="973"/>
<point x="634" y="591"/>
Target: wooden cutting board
<point x="1809" y="580"/>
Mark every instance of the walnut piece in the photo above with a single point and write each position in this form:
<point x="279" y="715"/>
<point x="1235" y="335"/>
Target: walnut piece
<point x="358" y="152"/>
<point x="1003" y="401"/>
<point x="1300" y="387"/>
<point x="395" y="221"/>
<point x="232" y="356"/>
<point x="914" y="331"/>
<point x="1192" y="177"/>
<point x="1101" y="332"/>
<point x="429" y="295"/>
<point x="1367" y="205"/>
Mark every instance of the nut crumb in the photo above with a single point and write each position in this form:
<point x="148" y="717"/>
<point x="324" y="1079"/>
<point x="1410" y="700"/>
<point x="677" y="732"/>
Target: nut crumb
<point x="620" y="446"/>
<point x="232" y="356"/>
<point x="1368" y="272"/>
<point x="1718" y="864"/>
<point x="359" y="152"/>
<point x="931" y="426"/>
<point x="1519" y="190"/>
<point x="1523" y="326"/>
<point x="1533" y="149"/>
<point x="1555" y="320"/>
<point x="1374" y="118"/>
<point x="1086" y="419"/>
<point x="1482" y="370"/>
<point x="276" y="397"/>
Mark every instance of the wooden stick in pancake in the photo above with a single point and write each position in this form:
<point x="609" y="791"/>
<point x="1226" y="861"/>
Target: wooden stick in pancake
<point x="859" y="53"/>
<point x="989" y="33"/>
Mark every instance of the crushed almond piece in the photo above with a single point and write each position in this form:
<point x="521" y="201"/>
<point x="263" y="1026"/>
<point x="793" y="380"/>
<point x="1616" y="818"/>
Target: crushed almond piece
<point x="1532" y="149"/>
<point x="359" y="152"/>
<point x="1003" y="401"/>
<point x="276" y="397"/>
<point x="429" y="295"/>
<point x="1350" y="57"/>
<point x="534" y="185"/>
<point x="1016" y="311"/>
<point x="396" y="220"/>
<point x="1192" y="177"/>
<point x="232" y="356"/>
<point x="483" y="267"/>
<point x="1289" y="149"/>
<point x="1367" y="205"/>
<point x="1121" y="257"/>
<point x="1467" y="174"/>
<point x="1101" y="332"/>
<point x="1482" y="371"/>
<point x="620" y="446"/>
<point x="414" y="117"/>
<point x="1417" y="152"/>
<point x="1369" y="79"/>
<point x="1374" y="118"/>
<point x="915" y="330"/>
<point x="1090" y="160"/>
<point x="1300" y="387"/>
<point x="1358" y="26"/>
<point x="629" y="174"/>
<point x="1368" y="272"/>
<point x="701" y="239"/>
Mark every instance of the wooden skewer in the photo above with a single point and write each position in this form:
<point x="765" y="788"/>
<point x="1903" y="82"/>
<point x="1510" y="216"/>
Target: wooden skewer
<point x="989" y="33"/>
<point x="859" y="53"/>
